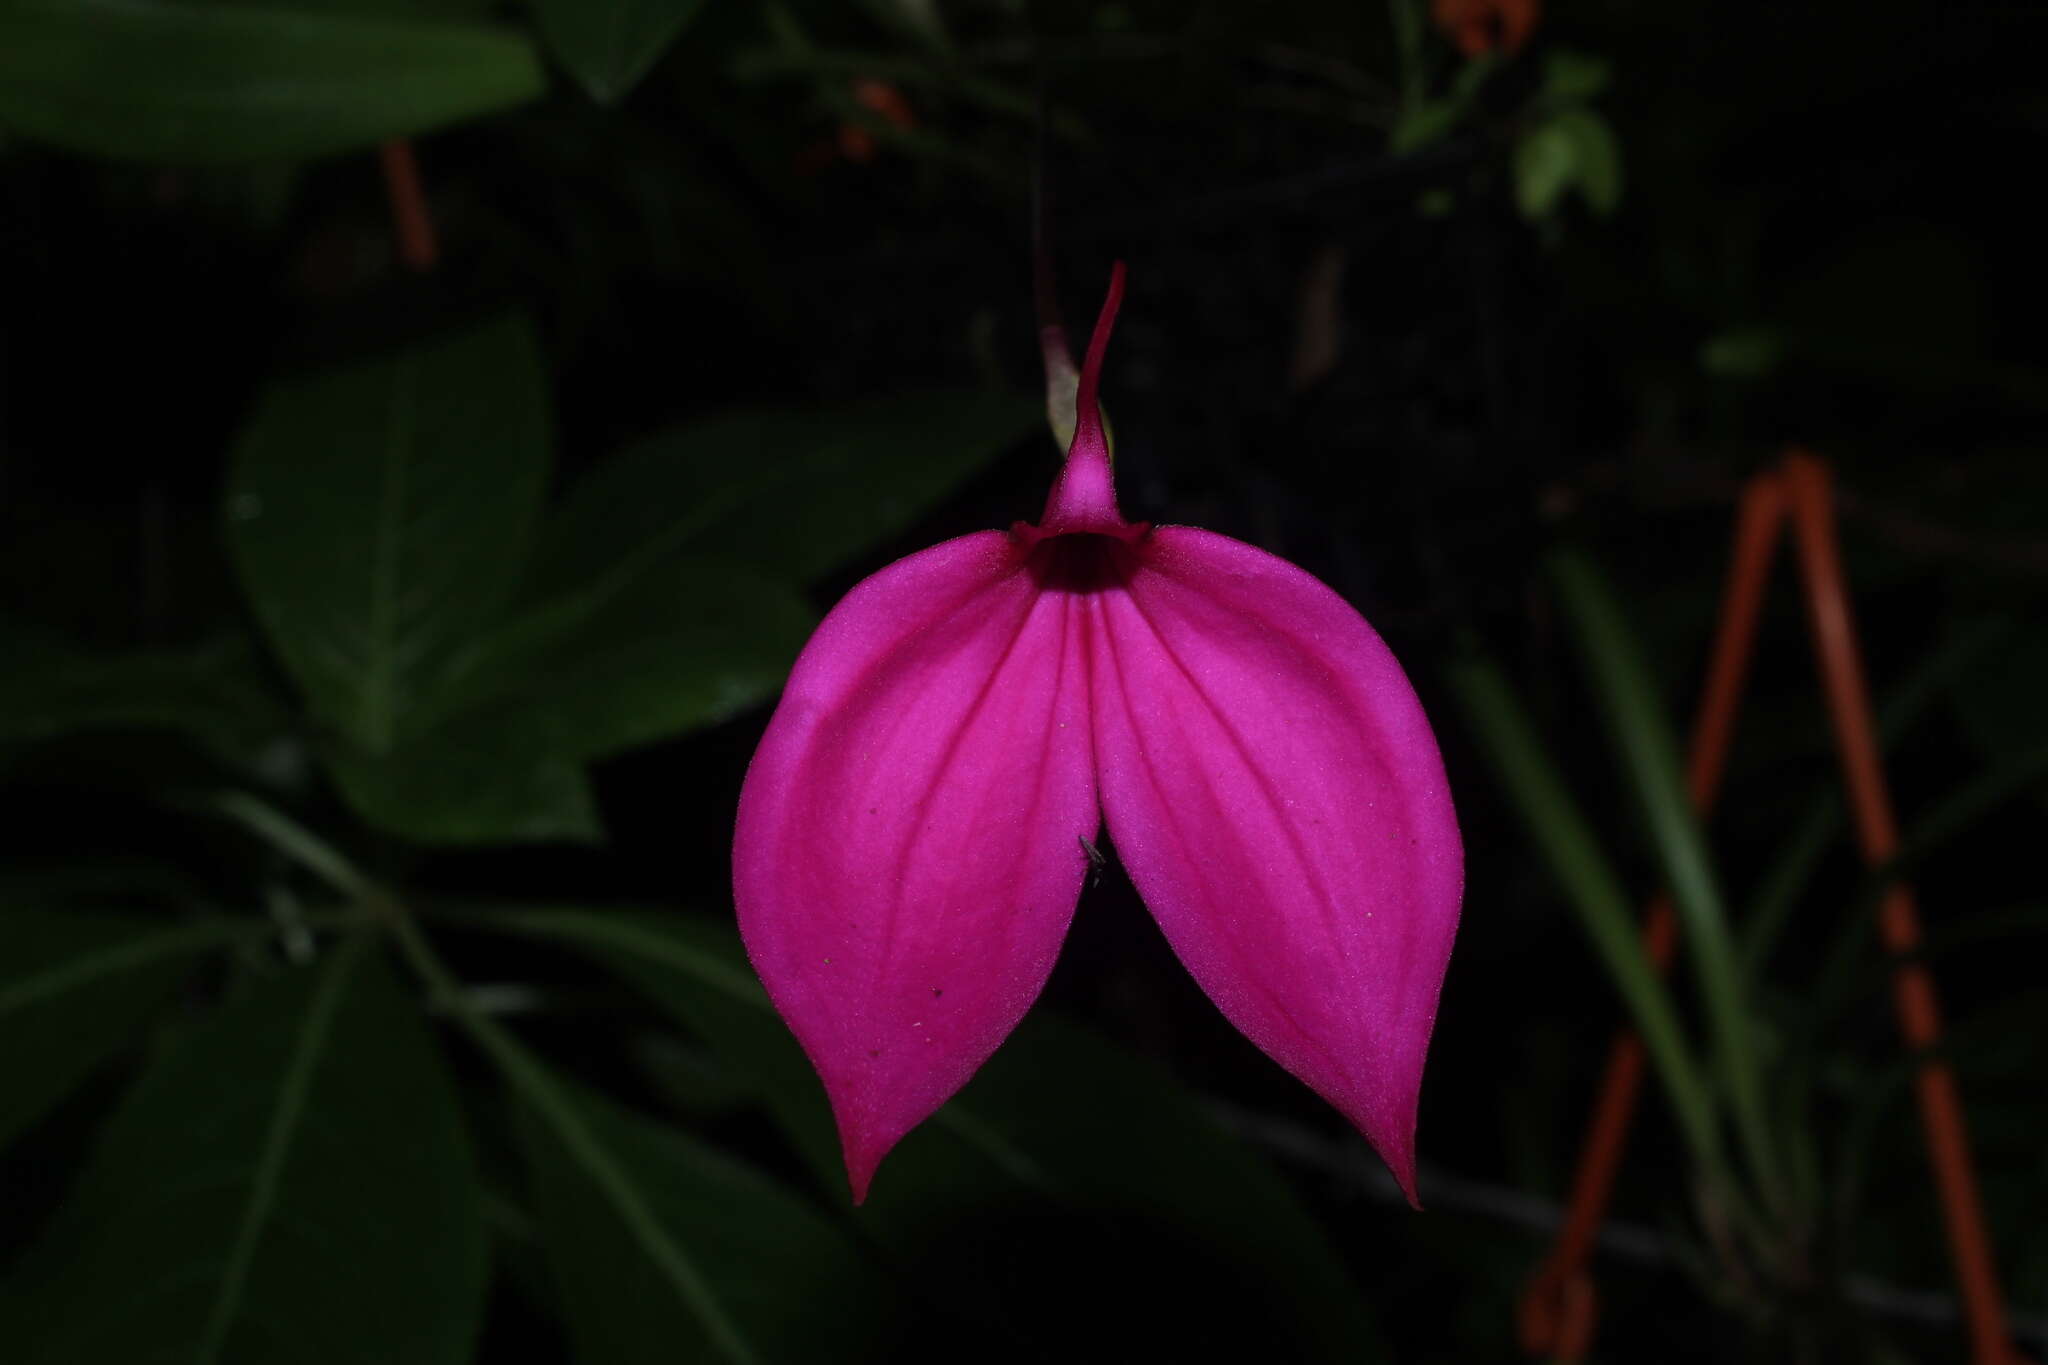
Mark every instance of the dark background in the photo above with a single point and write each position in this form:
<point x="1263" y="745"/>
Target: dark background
<point x="1814" y="231"/>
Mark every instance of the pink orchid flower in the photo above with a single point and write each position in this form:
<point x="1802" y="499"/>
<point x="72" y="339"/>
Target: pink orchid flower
<point x="911" y="837"/>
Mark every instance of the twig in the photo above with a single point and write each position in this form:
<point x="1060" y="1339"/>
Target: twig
<point x="410" y="220"/>
<point x="1356" y="1168"/>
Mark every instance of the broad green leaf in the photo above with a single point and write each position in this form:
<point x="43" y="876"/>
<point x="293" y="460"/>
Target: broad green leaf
<point x="1063" y="1171"/>
<point x="693" y="967"/>
<point x="687" y="643"/>
<point x="794" y="494"/>
<point x="691" y="1081"/>
<point x="1088" y="1180"/>
<point x="786" y="1281"/>
<point x="213" y="696"/>
<point x="610" y="44"/>
<point x="191" y="83"/>
<point x="75" y="988"/>
<point x="27" y="644"/>
<point x="481" y="779"/>
<point x="379" y="515"/>
<point x="291" y="1183"/>
<point x="367" y="9"/>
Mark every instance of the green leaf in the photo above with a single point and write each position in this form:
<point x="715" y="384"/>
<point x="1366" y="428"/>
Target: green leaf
<point x="1574" y="76"/>
<point x="582" y="1142"/>
<point x="610" y="44"/>
<point x="793" y="494"/>
<point x="29" y="645"/>
<point x="1644" y="741"/>
<point x="1599" y="159"/>
<point x="1593" y="889"/>
<point x="205" y="84"/>
<point x="1418" y="127"/>
<point x="214" y="696"/>
<point x="291" y="1183"/>
<point x="786" y="1278"/>
<point x="1742" y="353"/>
<point x="1060" y="1130"/>
<point x="75" y="988"/>
<point x="1425" y="121"/>
<point x="1064" y="1171"/>
<point x="1960" y="811"/>
<point x="379" y="516"/>
<point x="480" y="779"/>
<point x="1574" y="149"/>
<point x="687" y="643"/>
<point x="1782" y="888"/>
<point x="694" y="968"/>
<point x="380" y="9"/>
<point x="1545" y="164"/>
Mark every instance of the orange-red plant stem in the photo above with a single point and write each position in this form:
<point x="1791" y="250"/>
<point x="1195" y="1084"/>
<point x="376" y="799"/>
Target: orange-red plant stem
<point x="1898" y="921"/>
<point x="410" y="220"/>
<point x="1558" y="1306"/>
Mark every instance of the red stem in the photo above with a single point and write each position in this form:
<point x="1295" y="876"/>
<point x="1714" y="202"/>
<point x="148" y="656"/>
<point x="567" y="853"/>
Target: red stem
<point x="410" y="221"/>
<point x="1558" y="1307"/>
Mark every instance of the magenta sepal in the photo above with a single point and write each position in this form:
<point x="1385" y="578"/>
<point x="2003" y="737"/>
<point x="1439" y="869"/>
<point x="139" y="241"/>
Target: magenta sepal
<point x="909" y="849"/>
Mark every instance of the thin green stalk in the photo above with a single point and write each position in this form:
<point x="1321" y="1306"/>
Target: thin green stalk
<point x="1786" y="883"/>
<point x="295" y="841"/>
<point x="718" y="974"/>
<point x="1860" y="1133"/>
<point x="146" y="948"/>
<point x="1962" y="808"/>
<point x="1649" y="752"/>
<point x="608" y="930"/>
<point x="533" y="1083"/>
<point x="1407" y="17"/>
<point x="287" y="1118"/>
<point x="1988" y="927"/>
<point x="1566" y="841"/>
<point x="1791" y="871"/>
<point x="1844" y="972"/>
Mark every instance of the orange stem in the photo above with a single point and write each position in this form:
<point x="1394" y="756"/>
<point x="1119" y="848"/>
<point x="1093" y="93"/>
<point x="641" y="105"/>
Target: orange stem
<point x="410" y="220"/>
<point x="1557" y="1310"/>
<point x="1898" y="921"/>
<point x="1558" y="1305"/>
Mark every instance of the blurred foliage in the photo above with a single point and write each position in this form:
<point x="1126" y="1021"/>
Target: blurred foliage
<point x="381" y="650"/>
